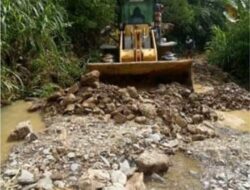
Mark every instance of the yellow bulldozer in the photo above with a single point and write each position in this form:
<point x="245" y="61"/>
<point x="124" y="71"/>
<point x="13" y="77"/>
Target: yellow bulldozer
<point x="141" y="51"/>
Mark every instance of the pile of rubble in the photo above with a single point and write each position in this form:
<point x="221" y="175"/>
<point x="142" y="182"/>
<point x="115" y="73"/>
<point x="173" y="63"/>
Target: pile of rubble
<point x="228" y="96"/>
<point x="171" y="103"/>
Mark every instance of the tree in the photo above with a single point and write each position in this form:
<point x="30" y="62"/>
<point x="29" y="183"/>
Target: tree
<point x="88" y="17"/>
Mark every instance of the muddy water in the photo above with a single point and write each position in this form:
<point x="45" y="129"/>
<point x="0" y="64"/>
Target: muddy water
<point x="239" y="120"/>
<point x="10" y="117"/>
<point x="183" y="175"/>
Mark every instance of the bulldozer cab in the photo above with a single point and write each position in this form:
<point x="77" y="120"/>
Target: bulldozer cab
<point x="136" y="11"/>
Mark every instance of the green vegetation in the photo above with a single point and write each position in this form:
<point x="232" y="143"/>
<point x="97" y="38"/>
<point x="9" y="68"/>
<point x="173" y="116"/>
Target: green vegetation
<point x="229" y="48"/>
<point x="88" y="18"/>
<point x="195" y="18"/>
<point x="33" y="47"/>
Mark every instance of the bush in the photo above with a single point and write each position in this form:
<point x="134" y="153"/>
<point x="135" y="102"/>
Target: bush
<point x="11" y="84"/>
<point x="88" y="17"/>
<point x="33" y="44"/>
<point x="229" y="48"/>
<point x="30" y="27"/>
<point x="179" y="13"/>
<point x="52" y="67"/>
<point x="194" y="18"/>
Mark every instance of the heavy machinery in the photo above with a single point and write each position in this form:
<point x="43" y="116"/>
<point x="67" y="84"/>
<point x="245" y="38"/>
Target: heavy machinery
<point x="140" y="48"/>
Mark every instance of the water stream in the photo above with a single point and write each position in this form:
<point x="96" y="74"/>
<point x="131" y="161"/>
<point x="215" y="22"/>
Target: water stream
<point x="182" y="175"/>
<point x="10" y="117"/>
<point x="239" y="120"/>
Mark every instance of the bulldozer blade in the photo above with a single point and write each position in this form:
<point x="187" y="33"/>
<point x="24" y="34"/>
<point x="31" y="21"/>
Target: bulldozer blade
<point x="158" y="71"/>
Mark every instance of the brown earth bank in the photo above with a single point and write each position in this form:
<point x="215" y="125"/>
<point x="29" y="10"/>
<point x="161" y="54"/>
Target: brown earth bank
<point x="102" y="136"/>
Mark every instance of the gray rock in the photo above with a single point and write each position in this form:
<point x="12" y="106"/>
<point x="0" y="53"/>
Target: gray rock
<point x="11" y="172"/>
<point x="73" y="178"/>
<point x="141" y="120"/>
<point x="192" y="172"/>
<point x="75" y="167"/>
<point x="220" y="176"/>
<point x="118" y="177"/>
<point x="45" y="183"/>
<point x="106" y="162"/>
<point x="115" y="166"/>
<point x="155" y="137"/>
<point x="197" y="118"/>
<point x="71" y="155"/>
<point x="125" y="167"/>
<point x="21" y="131"/>
<point x="172" y="144"/>
<point x="50" y="157"/>
<point x="157" y="178"/>
<point x="59" y="184"/>
<point x="247" y="185"/>
<point x="31" y="137"/>
<point x="152" y="162"/>
<point x="46" y="151"/>
<point x="26" y="178"/>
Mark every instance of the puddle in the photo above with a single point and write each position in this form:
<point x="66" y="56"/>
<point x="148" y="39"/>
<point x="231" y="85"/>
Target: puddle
<point x="183" y="175"/>
<point x="239" y="120"/>
<point x="10" y="117"/>
<point x="200" y="89"/>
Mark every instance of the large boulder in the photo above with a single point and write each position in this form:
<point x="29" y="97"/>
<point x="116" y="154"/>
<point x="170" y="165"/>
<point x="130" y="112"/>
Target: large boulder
<point x="90" y="79"/>
<point x="152" y="162"/>
<point x="36" y="105"/>
<point x="21" y="131"/>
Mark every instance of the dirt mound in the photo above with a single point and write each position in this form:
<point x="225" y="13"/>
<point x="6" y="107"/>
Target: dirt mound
<point x="170" y="105"/>
<point x="227" y="96"/>
<point x="164" y="101"/>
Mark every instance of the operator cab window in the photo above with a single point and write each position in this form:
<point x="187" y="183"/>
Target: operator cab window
<point x="137" y="17"/>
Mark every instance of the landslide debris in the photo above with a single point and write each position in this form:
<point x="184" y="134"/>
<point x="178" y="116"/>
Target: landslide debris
<point x="102" y="135"/>
<point x="173" y="103"/>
